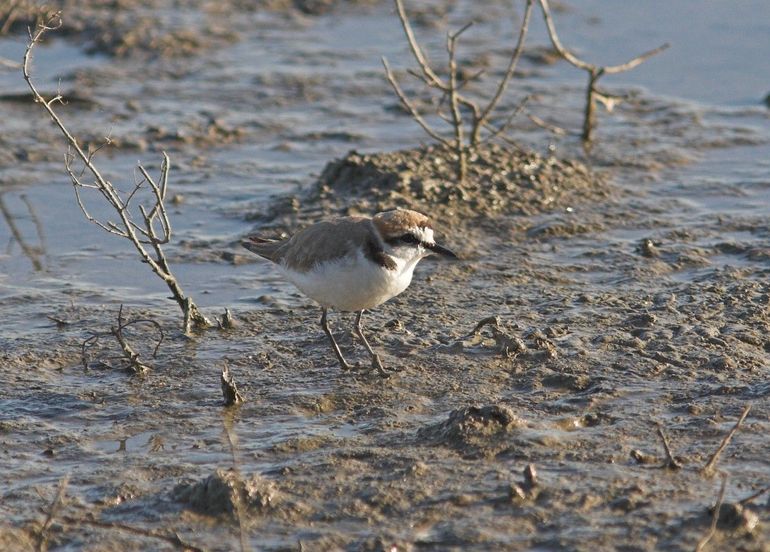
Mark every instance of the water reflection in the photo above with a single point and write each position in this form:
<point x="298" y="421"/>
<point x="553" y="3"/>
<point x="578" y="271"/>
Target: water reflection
<point x="34" y="253"/>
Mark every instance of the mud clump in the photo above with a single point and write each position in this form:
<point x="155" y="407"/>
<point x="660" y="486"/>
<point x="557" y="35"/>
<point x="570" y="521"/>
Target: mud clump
<point x="221" y="493"/>
<point x="473" y="430"/>
<point x="500" y="181"/>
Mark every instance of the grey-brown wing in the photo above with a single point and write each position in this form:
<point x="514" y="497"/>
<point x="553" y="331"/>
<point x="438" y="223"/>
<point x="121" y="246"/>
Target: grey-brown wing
<point x="327" y="241"/>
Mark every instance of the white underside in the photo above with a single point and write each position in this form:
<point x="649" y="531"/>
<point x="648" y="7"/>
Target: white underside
<point x="354" y="282"/>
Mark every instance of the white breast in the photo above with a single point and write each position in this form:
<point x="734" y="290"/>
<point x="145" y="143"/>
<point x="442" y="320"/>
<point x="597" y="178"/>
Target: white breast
<point x="353" y="283"/>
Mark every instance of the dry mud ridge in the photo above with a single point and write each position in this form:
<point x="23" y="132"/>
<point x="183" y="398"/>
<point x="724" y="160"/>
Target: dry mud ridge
<point x="540" y="377"/>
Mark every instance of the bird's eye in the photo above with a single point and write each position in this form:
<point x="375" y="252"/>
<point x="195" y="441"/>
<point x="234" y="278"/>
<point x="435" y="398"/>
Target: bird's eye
<point x="410" y="238"/>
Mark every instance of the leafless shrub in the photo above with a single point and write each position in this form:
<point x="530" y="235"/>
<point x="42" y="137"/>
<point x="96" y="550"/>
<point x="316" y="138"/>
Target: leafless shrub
<point x="462" y="141"/>
<point x="595" y="72"/>
<point x="150" y="229"/>
<point x="129" y="354"/>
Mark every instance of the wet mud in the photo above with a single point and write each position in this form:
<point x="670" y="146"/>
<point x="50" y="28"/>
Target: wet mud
<point x="604" y="302"/>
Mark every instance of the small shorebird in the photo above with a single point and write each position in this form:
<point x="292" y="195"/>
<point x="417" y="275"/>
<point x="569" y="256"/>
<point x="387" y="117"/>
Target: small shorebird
<point x="353" y="263"/>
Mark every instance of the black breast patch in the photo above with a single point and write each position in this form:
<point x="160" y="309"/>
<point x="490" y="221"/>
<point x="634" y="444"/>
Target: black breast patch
<point x="375" y="254"/>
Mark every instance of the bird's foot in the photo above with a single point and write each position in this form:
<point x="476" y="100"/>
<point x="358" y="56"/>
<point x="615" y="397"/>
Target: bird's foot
<point x="381" y="370"/>
<point x="356" y="367"/>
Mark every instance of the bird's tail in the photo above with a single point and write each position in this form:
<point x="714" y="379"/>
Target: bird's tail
<point x="264" y="247"/>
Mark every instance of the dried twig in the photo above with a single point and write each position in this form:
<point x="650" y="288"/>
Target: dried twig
<point x="709" y="467"/>
<point x="53" y="508"/>
<point x="714" y="517"/>
<point x="671" y="462"/>
<point x="154" y="229"/>
<point x="595" y="72"/>
<point x="135" y="364"/>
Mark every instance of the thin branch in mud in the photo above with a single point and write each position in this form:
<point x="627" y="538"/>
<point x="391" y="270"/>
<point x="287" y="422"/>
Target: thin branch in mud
<point x="129" y="354"/>
<point x="595" y="72"/>
<point x="709" y="467"/>
<point x="462" y="141"/>
<point x="53" y="508"/>
<point x="173" y="539"/>
<point x="410" y="106"/>
<point x="671" y="462"/>
<point x="714" y="516"/>
<point x="154" y="229"/>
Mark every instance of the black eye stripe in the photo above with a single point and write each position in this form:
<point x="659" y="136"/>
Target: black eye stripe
<point x="404" y="239"/>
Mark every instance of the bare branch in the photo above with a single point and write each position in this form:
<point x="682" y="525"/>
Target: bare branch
<point x="128" y="352"/>
<point x="411" y="108"/>
<point x="430" y="76"/>
<point x="495" y="132"/>
<point x="708" y="468"/>
<point x="508" y="74"/>
<point x="126" y="228"/>
<point x="457" y="122"/>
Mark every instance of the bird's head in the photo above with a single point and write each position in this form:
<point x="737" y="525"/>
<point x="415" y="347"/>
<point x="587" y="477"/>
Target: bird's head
<point x="408" y="234"/>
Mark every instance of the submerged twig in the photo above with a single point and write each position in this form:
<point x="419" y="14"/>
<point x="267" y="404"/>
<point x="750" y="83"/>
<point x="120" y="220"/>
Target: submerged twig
<point x="709" y="467"/>
<point x="153" y="230"/>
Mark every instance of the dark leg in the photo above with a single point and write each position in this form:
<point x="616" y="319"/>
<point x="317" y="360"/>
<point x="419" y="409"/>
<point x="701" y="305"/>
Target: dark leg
<point x="325" y="325"/>
<point x="376" y="362"/>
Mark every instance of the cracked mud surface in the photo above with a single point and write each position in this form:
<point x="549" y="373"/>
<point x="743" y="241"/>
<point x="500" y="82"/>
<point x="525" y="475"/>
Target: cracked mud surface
<point x="598" y="299"/>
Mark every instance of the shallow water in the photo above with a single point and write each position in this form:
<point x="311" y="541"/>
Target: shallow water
<point x="302" y="91"/>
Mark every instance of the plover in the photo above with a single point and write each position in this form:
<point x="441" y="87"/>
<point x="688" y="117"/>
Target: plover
<point x="353" y="263"/>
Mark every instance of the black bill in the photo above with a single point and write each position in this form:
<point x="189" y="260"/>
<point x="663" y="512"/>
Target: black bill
<point x="441" y="250"/>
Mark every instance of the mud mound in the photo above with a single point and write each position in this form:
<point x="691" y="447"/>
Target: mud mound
<point x="473" y="430"/>
<point x="220" y="492"/>
<point x="499" y="181"/>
